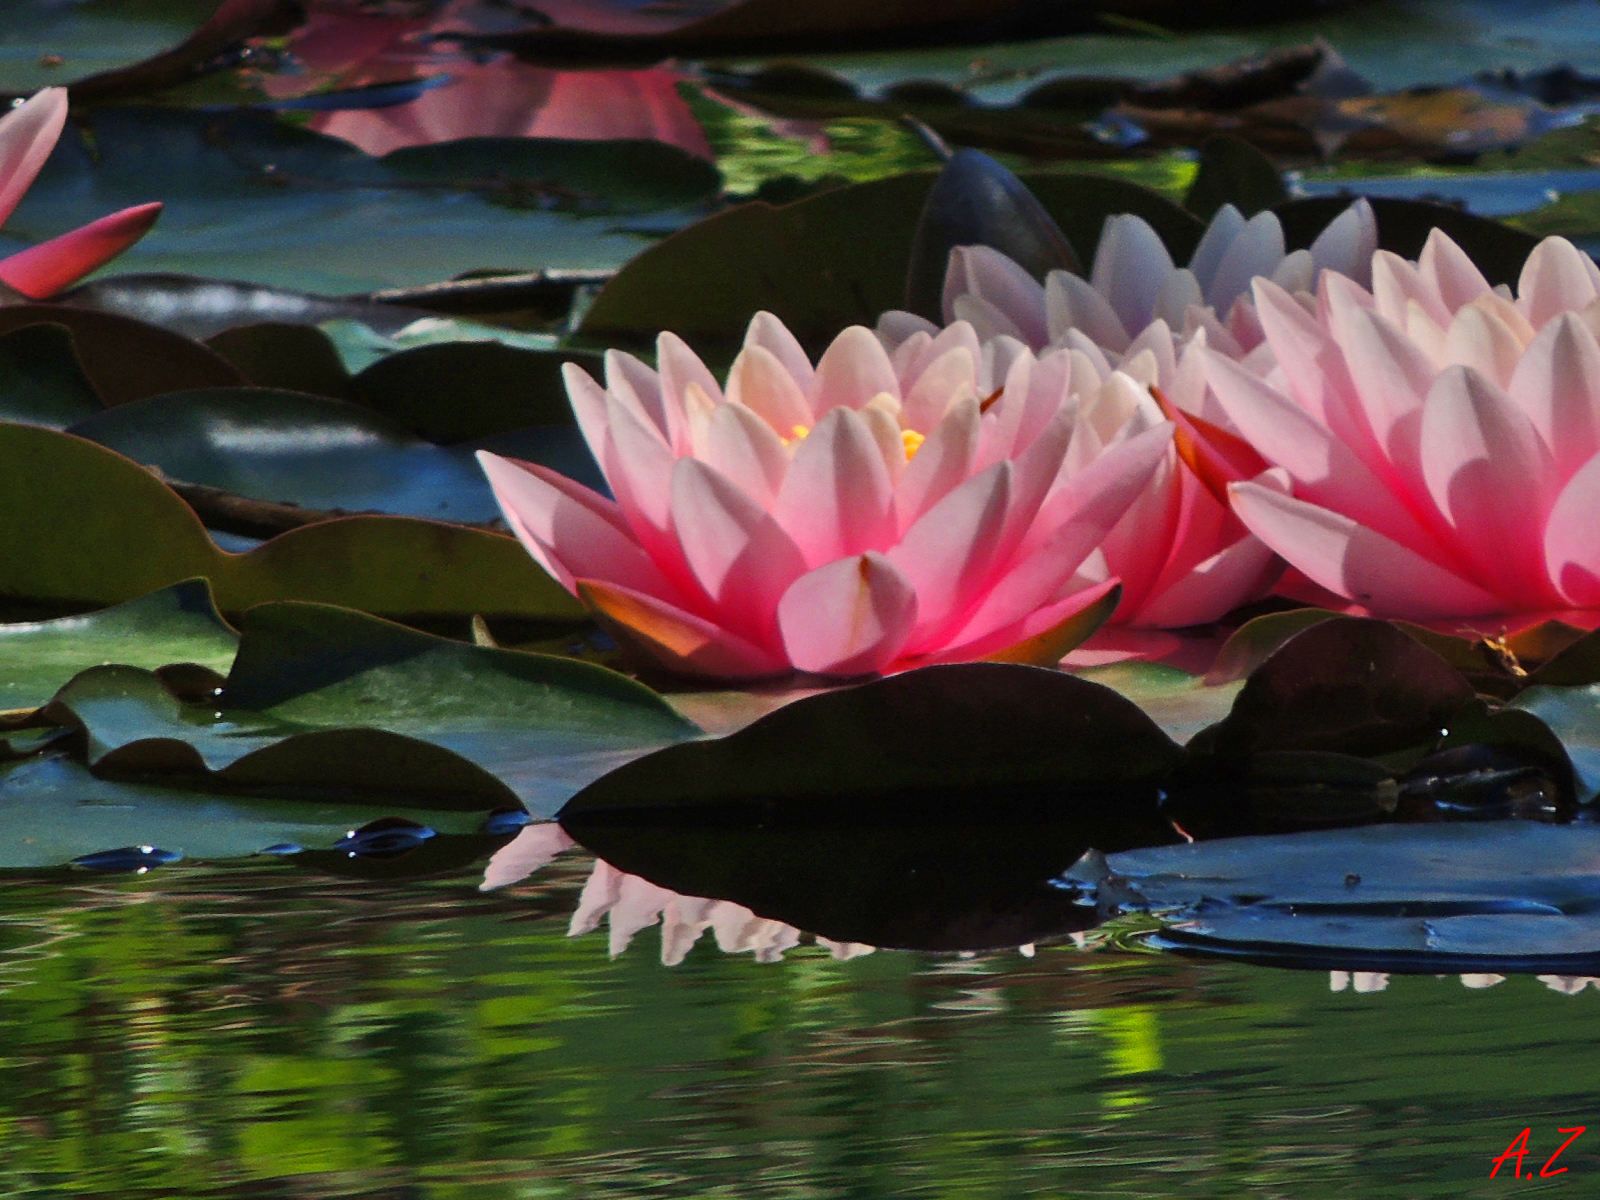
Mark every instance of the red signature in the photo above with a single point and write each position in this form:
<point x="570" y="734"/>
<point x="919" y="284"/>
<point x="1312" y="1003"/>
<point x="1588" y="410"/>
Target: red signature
<point x="1519" y="1150"/>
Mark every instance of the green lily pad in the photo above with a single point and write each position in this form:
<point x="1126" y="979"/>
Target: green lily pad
<point x="289" y="357"/>
<point x="255" y="198"/>
<point x="312" y="451"/>
<point x="41" y="382"/>
<point x="1232" y="171"/>
<point x="86" y="528"/>
<point x="55" y="811"/>
<point x="832" y="260"/>
<point x="457" y="391"/>
<point x="175" y="625"/>
<point x="543" y="726"/>
<point x="124" y="359"/>
<point x="1181" y="703"/>
<point x="1573" y="713"/>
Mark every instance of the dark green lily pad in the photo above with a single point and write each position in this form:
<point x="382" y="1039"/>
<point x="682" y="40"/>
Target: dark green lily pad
<point x="293" y="448"/>
<point x="285" y="356"/>
<point x="543" y="726"/>
<point x="928" y="809"/>
<point x="832" y="260"/>
<point x="1232" y="171"/>
<point x="175" y="625"/>
<point x="1573" y="713"/>
<point x="41" y="382"/>
<point x="87" y="528"/>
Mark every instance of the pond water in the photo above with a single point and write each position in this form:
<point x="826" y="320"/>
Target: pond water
<point x="268" y="1032"/>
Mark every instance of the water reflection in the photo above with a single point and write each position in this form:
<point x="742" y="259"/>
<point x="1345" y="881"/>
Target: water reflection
<point x="265" y="1032"/>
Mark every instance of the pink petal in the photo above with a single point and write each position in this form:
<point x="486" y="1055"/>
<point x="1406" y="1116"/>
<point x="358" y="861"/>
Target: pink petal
<point x="1555" y="279"/>
<point x="1396" y="284"/>
<point x="1446" y="270"/>
<point x="739" y="554"/>
<point x="1298" y="344"/>
<point x="760" y="382"/>
<point x="673" y="638"/>
<point x="679" y="367"/>
<point x="1226" y="225"/>
<point x="1210" y="589"/>
<point x="991" y="276"/>
<point x="637" y="386"/>
<point x="853" y="369"/>
<point x="773" y="336"/>
<point x="1012" y="642"/>
<point x="1482" y="341"/>
<point x="940" y="464"/>
<point x="745" y="449"/>
<point x="1348" y="243"/>
<point x="534" y="846"/>
<point x="1391" y="376"/>
<point x="1324" y="468"/>
<point x="837" y="500"/>
<point x="1075" y="520"/>
<point x="1571" y="546"/>
<point x="848" y="617"/>
<point x="1489" y="475"/>
<point x="1256" y="251"/>
<point x="896" y="327"/>
<point x="1071" y="303"/>
<point x="570" y="531"/>
<point x="1557" y="384"/>
<point x="588" y="400"/>
<point x="1137" y="547"/>
<point x="948" y="554"/>
<point x="960" y="333"/>
<point x="951" y="377"/>
<point x="1130" y="265"/>
<point x="1356" y="562"/>
<point x="27" y="135"/>
<point x="43" y="270"/>
<point x="987" y="318"/>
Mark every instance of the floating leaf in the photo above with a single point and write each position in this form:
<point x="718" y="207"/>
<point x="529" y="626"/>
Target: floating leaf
<point x="831" y="260"/>
<point x="927" y="809"/>
<point x="284" y="356"/>
<point x="86" y="528"/>
<point x="293" y="448"/>
<point x="124" y="359"/>
<point x="41" y="382"/>
<point x="175" y="625"/>
<point x="56" y="811"/>
<point x="1505" y="896"/>
<point x="1232" y="171"/>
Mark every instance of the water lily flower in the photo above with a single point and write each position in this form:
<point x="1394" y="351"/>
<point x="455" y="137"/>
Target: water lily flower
<point x="862" y="515"/>
<point x="27" y="135"/>
<point x="1435" y="441"/>
<point x="1134" y="283"/>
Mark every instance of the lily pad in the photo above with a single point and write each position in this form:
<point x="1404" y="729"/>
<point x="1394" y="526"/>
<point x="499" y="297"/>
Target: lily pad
<point x="175" y="625"/>
<point x="41" y="382"/>
<point x="832" y="260"/>
<point x="1510" y="896"/>
<point x="543" y="726"/>
<point x="1573" y="713"/>
<point x="87" y="528"/>
<point x="293" y="448"/>
<point x="57" y="811"/>
<point x="927" y="809"/>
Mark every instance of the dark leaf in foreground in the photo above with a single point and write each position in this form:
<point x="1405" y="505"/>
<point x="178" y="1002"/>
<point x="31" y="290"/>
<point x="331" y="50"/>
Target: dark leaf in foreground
<point x="930" y="809"/>
<point x="41" y="382"/>
<point x="1232" y="171"/>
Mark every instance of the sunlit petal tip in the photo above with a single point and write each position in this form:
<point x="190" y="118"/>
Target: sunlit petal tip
<point x="674" y="639"/>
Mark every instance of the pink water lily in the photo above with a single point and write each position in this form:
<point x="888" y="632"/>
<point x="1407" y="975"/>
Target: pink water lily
<point x="1134" y="285"/>
<point x="1436" y="441"/>
<point x="27" y="135"/>
<point x="862" y="515"/>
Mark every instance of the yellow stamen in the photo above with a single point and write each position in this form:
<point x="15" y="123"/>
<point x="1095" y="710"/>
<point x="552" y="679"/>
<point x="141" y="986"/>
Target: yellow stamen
<point x="799" y="434"/>
<point x="913" y="442"/>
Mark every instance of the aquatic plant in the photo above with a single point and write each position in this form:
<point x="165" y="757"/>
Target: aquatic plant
<point x="864" y="515"/>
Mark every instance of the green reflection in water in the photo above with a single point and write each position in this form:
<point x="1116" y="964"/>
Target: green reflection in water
<point x="263" y="1032"/>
